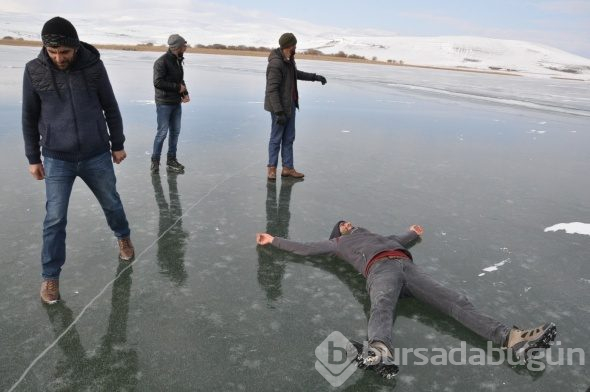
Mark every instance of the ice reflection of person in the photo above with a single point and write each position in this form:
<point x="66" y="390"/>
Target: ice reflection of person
<point x="270" y="271"/>
<point x="171" y="246"/>
<point x="113" y="365"/>
<point x="390" y="272"/>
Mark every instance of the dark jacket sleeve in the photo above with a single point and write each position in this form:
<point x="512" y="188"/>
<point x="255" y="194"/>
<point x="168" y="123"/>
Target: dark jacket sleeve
<point x="30" y="120"/>
<point x="160" y="77"/>
<point x="274" y="78"/>
<point x="305" y="249"/>
<point x="111" y="110"/>
<point x="305" y="76"/>
<point x="406" y="239"/>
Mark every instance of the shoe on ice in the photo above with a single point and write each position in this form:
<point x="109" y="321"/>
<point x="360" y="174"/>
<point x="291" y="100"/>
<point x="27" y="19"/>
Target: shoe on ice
<point x="155" y="167"/>
<point x="374" y="356"/>
<point x="522" y="341"/>
<point x="173" y="165"/>
<point x="291" y="172"/>
<point x="126" y="249"/>
<point x="50" y="291"/>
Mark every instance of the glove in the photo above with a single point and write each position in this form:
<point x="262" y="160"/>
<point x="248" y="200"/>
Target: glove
<point x="281" y="118"/>
<point x="320" y="78"/>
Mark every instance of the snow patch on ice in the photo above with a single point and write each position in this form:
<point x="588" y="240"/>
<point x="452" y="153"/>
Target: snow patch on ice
<point x="537" y="132"/>
<point x="495" y="267"/>
<point x="571" y="228"/>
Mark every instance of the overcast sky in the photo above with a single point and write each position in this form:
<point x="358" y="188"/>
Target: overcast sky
<point x="561" y="24"/>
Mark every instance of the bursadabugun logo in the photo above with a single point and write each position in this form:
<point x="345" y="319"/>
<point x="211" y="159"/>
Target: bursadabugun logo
<point x="334" y="362"/>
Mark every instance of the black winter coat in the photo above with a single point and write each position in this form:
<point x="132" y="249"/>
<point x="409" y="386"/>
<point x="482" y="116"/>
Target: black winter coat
<point x="281" y="83"/>
<point x="168" y="76"/>
<point x="67" y="112"/>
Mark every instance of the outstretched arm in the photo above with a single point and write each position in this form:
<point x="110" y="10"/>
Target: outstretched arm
<point x="412" y="235"/>
<point x="311" y="77"/>
<point x="303" y="249"/>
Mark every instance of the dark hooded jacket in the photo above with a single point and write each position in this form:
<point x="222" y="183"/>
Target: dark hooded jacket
<point x="281" y="83"/>
<point x="357" y="248"/>
<point x="168" y="76"/>
<point x="67" y="112"/>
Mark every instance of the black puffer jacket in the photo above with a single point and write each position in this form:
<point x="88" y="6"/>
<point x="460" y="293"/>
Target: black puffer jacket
<point x="67" y="112"/>
<point x="281" y="84"/>
<point x="168" y="76"/>
<point x="357" y="248"/>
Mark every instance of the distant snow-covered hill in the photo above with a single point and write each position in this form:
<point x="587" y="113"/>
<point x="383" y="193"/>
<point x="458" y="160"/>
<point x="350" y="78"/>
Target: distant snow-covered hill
<point x="232" y="26"/>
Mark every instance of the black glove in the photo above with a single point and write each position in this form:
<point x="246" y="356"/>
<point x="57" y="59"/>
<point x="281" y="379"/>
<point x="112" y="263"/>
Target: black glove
<point x="281" y="118"/>
<point x="320" y="78"/>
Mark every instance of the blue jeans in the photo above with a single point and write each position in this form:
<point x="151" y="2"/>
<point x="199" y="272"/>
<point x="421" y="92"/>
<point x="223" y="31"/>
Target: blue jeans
<point x="98" y="174"/>
<point x="168" y="119"/>
<point x="390" y="279"/>
<point x="281" y="139"/>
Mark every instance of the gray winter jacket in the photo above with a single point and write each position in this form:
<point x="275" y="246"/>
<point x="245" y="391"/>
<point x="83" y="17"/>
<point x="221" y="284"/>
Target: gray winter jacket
<point x="281" y="83"/>
<point x="357" y="248"/>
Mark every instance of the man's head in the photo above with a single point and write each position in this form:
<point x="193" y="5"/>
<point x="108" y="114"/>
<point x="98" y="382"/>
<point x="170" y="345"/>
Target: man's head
<point x="177" y="44"/>
<point x="288" y="44"/>
<point x="61" y="42"/>
<point x="341" y="228"/>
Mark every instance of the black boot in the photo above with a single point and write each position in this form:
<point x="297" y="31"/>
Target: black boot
<point x="174" y="166"/>
<point x="155" y="168"/>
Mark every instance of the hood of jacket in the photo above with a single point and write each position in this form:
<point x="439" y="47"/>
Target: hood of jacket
<point x="86" y="56"/>
<point x="276" y="55"/>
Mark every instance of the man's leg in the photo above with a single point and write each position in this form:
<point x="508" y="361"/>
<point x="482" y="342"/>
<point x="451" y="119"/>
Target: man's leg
<point x="99" y="175"/>
<point x="163" y="118"/>
<point x="287" y="141"/>
<point x="423" y="287"/>
<point x="59" y="179"/>
<point x="274" y="144"/>
<point x="384" y="284"/>
<point x="175" y="119"/>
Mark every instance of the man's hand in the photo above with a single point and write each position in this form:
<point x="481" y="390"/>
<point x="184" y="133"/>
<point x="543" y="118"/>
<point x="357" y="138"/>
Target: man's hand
<point x="37" y="171"/>
<point x="182" y="88"/>
<point x="119" y="156"/>
<point x="185" y="98"/>
<point x="417" y="229"/>
<point x="264" y="238"/>
<point x="320" y="78"/>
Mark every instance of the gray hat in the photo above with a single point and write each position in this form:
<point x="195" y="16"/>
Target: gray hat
<point x="287" y="40"/>
<point x="175" y="41"/>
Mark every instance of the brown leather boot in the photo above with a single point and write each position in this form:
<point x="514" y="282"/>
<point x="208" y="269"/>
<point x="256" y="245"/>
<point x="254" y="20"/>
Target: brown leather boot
<point x="50" y="291"/>
<point x="291" y="172"/>
<point x="272" y="173"/>
<point x="126" y="249"/>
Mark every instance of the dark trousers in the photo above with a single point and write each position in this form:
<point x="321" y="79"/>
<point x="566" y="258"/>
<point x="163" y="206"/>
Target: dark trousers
<point x="388" y="279"/>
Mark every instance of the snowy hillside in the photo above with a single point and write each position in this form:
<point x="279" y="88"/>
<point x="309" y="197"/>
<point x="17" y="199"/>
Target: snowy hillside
<point x="233" y="26"/>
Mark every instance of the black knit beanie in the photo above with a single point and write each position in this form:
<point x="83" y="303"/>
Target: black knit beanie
<point x="336" y="230"/>
<point x="59" y="32"/>
<point x="287" y="40"/>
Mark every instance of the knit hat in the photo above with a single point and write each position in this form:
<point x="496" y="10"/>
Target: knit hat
<point x="287" y="40"/>
<point x="59" y="32"/>
<point x="175" y="41"/>
<point x="336" y="230"/>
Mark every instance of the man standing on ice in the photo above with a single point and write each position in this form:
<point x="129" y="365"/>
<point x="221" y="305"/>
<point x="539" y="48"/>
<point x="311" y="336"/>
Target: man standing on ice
<point x="71" y="114"/>
<point x="281" y="100"/>
<point x="171" y="92"/>
<point x="390" y="272"/>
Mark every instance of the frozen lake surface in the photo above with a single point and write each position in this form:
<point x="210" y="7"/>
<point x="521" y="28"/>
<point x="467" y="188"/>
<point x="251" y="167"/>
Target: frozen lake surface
<point x="484" y="162"/>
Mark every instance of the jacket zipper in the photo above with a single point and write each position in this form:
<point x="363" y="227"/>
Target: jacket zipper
<point x="73" y="110"/>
